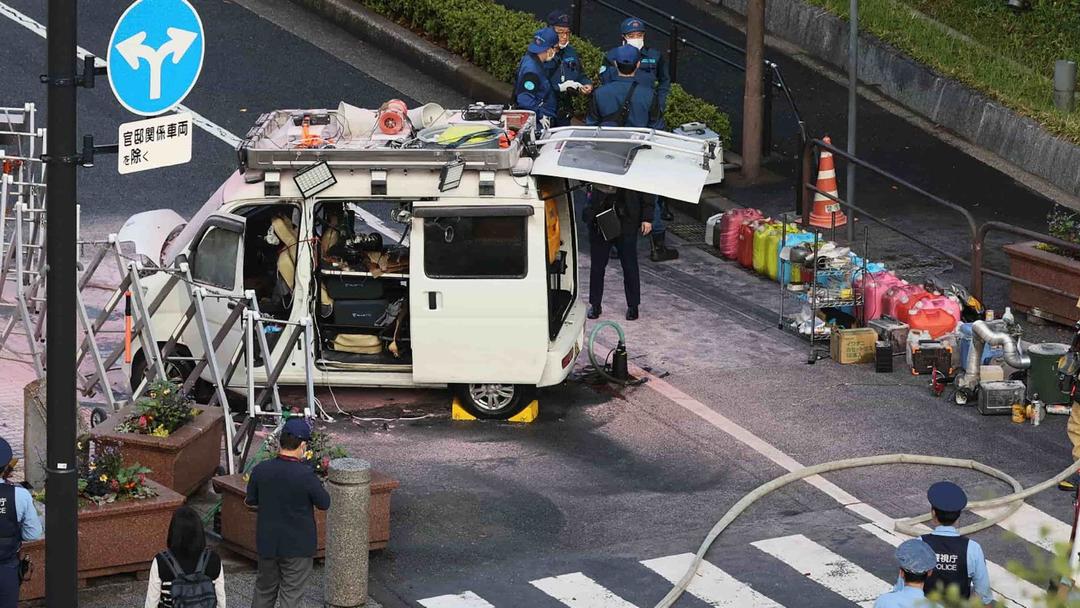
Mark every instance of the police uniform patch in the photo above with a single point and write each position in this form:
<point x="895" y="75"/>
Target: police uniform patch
<point x="530" y="82"/>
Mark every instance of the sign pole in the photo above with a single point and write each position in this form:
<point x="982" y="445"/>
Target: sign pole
<point x="61" y="516"/>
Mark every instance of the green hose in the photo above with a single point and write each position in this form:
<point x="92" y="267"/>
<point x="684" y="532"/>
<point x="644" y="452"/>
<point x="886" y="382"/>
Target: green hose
<point x="905" y="526"/>
<point x="600" y="367"/>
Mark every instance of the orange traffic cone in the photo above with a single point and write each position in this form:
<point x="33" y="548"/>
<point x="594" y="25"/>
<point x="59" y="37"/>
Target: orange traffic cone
<point x="825" y="209"/>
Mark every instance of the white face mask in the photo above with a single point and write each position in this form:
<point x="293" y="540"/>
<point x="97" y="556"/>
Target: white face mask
<point x="562" y="45"/>
<point x="637" y="43"/>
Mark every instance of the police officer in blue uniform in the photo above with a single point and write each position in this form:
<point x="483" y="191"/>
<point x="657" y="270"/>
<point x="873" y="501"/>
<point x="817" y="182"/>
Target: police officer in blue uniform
<point x="532" y="86"/>
<point x="654" y="69"/>
<point x="19" y="522"/>
<point x="917" y="560"/>
<point x="567" y="73"/>
<point x="960" y="560"/>
<point x="624" y="101"/>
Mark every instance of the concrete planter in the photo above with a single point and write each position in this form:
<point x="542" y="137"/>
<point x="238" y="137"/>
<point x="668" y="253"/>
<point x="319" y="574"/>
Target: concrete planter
<point x="114" y="538"/>
<point x="1028" y="262"/>
<point x="182" y="461"/>
<point x="238" y="521"/>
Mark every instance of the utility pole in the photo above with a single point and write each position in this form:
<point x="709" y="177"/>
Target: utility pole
<point x="853" y="85"/>
<point x="753" y="92"/>
<point x="61" y="518"/>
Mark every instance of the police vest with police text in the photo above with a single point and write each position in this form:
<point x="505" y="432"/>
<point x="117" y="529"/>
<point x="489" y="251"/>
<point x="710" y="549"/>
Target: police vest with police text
<point x="10" y="530"/>
<point x="952" y="566"/>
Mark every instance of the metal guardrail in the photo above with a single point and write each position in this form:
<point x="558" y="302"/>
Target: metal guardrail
<point x="774" y="79"/>
<point x="978" y="232"/>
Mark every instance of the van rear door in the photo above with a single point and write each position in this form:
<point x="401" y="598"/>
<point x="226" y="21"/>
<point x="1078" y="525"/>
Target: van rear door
<point x="477" y="293"/>
<point x="655" y="162"/>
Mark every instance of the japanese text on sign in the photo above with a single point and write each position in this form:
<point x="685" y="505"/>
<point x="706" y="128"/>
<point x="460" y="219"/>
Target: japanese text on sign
<point x="155" y="142"/>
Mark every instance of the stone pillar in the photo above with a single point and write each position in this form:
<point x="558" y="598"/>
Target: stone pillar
<point x="349" y="484"/>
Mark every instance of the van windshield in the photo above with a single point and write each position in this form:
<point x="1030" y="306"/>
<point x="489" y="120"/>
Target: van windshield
<point x="183" y="239"/>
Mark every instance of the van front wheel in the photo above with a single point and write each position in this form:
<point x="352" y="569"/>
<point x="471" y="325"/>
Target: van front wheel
<point x="494" y="401"/>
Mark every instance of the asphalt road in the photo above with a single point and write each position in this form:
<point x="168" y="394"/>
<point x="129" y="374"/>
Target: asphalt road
<point x="564" y="511"/>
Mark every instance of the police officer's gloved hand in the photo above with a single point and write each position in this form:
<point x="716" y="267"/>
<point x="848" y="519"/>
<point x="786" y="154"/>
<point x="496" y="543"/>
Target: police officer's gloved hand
<point x="569" y="84"/>
<point x="545" y="123"/>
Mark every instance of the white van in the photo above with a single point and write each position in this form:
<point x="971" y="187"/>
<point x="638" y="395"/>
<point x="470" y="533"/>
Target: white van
<point x="431" y="248"/>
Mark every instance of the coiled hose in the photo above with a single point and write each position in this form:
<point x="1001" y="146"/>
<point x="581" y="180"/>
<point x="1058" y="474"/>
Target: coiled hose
<point x="904" y="526"/>
<point x="601" y="366"/>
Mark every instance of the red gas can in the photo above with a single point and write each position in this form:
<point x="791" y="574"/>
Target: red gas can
<point x="937" y="314"/>
<point x="746" y="245"/>
<point x="874" y="287"/>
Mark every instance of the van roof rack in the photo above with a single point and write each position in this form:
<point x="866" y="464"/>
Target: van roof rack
<point x="350" y="138"/>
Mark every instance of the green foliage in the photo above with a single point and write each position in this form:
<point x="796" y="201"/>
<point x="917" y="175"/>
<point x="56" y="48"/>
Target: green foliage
<point x="1063" y="223"/>
<point x="1006" y="55"/>
<point x="161" y="412"/>
<point x="103" y="477"/>
<point x="494" y="38"/>
<point x="1049" y="571"/>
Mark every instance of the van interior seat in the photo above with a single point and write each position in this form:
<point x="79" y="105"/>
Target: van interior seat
<point x="286" y="262"/>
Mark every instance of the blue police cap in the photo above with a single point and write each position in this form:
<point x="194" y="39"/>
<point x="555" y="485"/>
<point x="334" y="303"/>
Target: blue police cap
<point x="558" y="17"/>
<point x="916" y="556"/>
<point x="543" y="40"/>
<point x="625" y="54"/>
<point x="5" y="452"/>
<point x="632" y="24"/>
<point x="946" y="496"/>
<point x="297" y="427"/>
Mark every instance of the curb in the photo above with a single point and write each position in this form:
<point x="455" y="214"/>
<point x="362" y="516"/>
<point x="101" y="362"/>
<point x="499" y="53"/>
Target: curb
<point x="966" y="112"/>
<point x="428" y="57"/>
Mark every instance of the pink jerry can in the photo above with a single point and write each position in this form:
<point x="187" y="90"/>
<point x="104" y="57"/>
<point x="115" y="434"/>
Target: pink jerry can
<point x="874" y="287"/>
<point x="729" y="230"/>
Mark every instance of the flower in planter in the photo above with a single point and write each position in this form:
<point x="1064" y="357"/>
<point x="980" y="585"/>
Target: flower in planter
<point x="103" y="477"/>
<point x="164" y="410"/>
<point x="320" y="452"/>
<point x="1064" y="224"/>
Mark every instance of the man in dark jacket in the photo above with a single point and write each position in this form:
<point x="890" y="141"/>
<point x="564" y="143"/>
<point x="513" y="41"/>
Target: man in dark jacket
<point x="634" y="210"/>
<point x="286" y="491"/>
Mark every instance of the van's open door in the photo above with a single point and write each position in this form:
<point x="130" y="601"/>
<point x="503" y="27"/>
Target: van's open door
<point x="478" y="308"/>
<point x="646" y="160"/>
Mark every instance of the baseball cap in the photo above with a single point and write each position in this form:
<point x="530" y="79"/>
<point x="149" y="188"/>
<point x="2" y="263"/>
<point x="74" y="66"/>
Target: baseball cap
<point x="625" y="54"/>
<point x="297" y="427"/>
<point x="916" y="556"/>
<point x="543" y="40"/>
<point x="558" y="17"/>
<point x="5" y="452"/>
<point x="632" y="24"/>
<point x="946" y="496"/>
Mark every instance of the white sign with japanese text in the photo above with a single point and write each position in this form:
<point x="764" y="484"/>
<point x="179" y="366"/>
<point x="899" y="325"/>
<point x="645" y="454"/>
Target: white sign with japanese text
<point x="154" y="143"/>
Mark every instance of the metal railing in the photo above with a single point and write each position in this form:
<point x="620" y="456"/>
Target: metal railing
<point x="978" y="232"/>
<point x="774" y="79"/>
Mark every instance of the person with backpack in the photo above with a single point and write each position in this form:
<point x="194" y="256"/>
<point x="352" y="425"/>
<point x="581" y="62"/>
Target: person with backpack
<point x="186" y="574"/>
<point x="286" y="491"/>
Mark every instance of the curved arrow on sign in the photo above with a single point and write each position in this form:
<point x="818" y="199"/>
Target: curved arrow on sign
<point x="133" y="49"/>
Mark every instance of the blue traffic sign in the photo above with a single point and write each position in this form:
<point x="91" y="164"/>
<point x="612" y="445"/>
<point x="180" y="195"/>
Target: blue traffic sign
<point x="155" y="55"/>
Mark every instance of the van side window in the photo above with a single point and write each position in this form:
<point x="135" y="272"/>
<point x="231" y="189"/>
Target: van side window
<point x="215" y="258"/>
<point x="475" y="247"/>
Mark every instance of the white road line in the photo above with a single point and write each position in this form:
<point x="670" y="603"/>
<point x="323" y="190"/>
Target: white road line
<point x="1009" y="588"/>
<point x="710" y="584"/>
<point x="1033" y="525"/>
<point x="464" y="600"/>
<point x="199" y="120"/>
<point x="579" y="591"/>
<point x="1001" y="580"/>
<point x="826" y="568"/>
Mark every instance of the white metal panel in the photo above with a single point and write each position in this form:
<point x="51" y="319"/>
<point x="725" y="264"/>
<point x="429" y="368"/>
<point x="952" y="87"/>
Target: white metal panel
<point x="482" y="330"/>
<point x="656" y="162"/>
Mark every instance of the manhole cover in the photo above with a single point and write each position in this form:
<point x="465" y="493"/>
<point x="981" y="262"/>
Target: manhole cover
<point x="691" y="232"/>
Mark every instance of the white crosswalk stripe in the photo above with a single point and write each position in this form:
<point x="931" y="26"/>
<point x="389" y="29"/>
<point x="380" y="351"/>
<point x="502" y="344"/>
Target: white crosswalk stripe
<point x="579" y="591"/>
<point x="826" y="568"/>
<point x="710" y="584"/>
<point x="464" y="600"/>
<point x="1033" y="525"/>
<point x="1008" y="587"/>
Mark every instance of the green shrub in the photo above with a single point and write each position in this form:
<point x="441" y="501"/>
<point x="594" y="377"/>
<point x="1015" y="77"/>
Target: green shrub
<point x="494" y="38"/>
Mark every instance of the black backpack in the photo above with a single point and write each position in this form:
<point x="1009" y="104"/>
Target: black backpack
<point x="194" y="590"/>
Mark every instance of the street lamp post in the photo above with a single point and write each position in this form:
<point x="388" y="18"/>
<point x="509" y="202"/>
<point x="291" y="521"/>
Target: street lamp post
<point x="853" y="85"/>
<point x="61" y="517"/>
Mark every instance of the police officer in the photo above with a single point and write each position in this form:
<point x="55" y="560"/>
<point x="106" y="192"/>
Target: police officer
<point x="960" y="560"/>
<point x="916" y="560"/>
<point x="286" y="491"/>
<point x="18" y="522"/>
<point x="654" y="69"/>
<point x="567" y="73"/>
<point x="625" y="101"/>
<point x="532" y="86"/>
<point x="632" y="210"/>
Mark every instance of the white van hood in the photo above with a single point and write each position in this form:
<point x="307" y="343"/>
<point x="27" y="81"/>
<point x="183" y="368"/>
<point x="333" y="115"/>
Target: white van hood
<point x="149" y="232"/>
